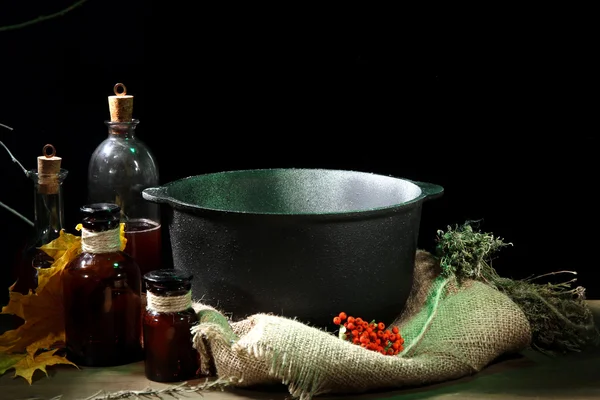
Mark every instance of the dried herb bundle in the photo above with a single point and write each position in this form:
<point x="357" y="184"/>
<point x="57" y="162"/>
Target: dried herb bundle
<point x="560" y="319"/>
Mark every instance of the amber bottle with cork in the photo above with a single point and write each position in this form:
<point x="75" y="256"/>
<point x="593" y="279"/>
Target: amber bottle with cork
<point x="101" y="294"/>
<point x="47" y="180"/>
<point x="168" y="319"/>
<point x="119" y="169"/>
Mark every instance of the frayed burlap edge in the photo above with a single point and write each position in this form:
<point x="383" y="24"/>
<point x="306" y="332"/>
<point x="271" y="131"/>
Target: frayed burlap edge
<point x="247" y="359"/>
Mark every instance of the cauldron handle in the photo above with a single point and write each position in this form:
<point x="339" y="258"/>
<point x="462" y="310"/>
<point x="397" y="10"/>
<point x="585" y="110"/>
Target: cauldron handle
<point x="155" y="194"/>
<point x="430" y="191"/>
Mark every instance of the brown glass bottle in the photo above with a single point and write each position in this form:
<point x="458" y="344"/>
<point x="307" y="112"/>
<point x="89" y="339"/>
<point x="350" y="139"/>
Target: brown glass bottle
<point x="101" y="289"/>
<point x="168" y="319"/>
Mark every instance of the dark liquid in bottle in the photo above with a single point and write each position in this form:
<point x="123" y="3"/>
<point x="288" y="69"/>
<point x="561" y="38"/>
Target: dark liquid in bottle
<point x="103" y="310"/>
<point x="144" y="244"/>
<point x="170" y="356"/>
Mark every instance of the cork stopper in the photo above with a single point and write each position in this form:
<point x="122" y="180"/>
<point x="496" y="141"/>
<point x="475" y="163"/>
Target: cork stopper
<point x="48" y="170"/>
<point x="120" y="105"/>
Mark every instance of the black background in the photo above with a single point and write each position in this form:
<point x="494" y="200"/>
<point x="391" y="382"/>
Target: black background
<point x="492" y="108"/>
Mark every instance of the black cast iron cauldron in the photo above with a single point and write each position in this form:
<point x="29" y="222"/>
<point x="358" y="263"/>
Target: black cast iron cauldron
<point x="302" y="243"/>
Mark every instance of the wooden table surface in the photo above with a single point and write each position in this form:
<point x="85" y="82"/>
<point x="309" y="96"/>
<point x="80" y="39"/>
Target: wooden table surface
<point x="526" y="376"/>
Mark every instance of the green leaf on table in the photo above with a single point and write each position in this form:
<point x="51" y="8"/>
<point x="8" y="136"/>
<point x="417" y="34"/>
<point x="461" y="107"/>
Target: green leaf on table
<point x="8" y="361"/>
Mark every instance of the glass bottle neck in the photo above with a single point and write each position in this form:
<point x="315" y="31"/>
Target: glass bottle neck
<point x="49" y="212"/>
<point x="123" y="130"/>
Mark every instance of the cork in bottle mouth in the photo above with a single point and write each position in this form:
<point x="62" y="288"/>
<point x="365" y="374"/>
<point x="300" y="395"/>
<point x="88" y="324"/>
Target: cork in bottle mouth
<point x="48" y="170"/>
<point x="120" y="104"/>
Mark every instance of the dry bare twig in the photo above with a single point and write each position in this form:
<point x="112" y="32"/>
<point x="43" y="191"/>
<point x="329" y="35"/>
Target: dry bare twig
<point x="13" y="211"/>
<point x="42" y="18"/>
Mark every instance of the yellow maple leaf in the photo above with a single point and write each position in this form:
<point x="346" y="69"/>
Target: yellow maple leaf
<point x="7" y="339"/>
<point x="43" y="314"/>
<point x="42" y="311"/>
<point x="59" y="246"/>
<point x="27" y="365"/>
<point x="46" y="343"/>
<point x="71" y="247"/>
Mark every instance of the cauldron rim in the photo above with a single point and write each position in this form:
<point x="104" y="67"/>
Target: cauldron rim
<point x="160" y="195"/>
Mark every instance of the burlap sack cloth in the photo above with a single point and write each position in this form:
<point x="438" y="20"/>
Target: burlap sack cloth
<point x="450" y="331"/>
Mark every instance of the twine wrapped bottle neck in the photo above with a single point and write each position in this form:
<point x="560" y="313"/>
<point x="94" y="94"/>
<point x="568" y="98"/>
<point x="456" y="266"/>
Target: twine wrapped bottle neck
<point x="107" y="241"/>
<point x="168" y="304"/>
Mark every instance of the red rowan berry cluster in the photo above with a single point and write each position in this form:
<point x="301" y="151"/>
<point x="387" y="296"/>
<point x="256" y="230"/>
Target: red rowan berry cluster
<point x="370" y="335"/>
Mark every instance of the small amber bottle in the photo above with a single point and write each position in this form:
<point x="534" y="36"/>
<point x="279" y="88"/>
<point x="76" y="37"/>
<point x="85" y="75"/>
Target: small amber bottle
<point x="168" y="319"/>
<point x="101" y="293"/>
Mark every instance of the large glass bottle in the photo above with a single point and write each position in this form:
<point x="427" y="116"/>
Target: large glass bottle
<point x="48" y="205"/>
<point x="119" y="169"/>
<point x="102" y="294"/>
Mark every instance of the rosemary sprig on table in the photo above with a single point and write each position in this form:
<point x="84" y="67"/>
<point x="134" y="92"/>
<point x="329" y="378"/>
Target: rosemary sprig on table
<point x="218" y="384"/>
